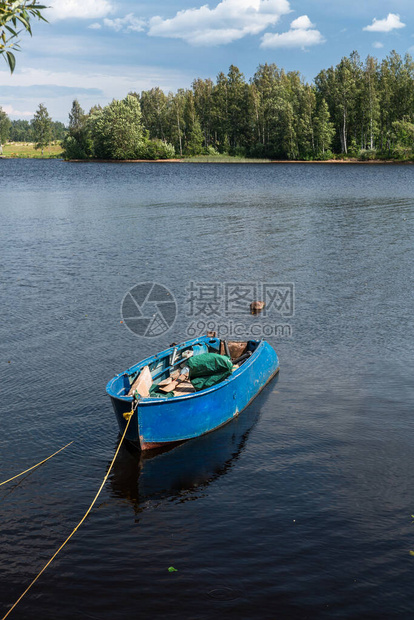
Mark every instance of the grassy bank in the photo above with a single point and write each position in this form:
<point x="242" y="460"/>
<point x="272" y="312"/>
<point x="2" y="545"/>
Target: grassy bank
<point x="27" y="150"/>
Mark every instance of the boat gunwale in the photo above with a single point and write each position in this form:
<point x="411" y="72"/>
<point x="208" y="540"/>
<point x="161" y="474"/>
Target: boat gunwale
<point x="161" y="401"/>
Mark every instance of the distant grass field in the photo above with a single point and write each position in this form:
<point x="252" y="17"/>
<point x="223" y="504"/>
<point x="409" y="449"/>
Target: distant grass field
<point x="26" y="149"/>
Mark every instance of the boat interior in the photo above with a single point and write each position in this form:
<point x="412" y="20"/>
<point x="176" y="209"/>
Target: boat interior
<point x="164" y="374"/>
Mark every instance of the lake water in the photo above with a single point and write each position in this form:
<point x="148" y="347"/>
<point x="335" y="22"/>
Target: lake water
<point x="300" y="508"/>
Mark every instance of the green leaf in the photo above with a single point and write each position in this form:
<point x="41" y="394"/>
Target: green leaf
<point x="11" y="60"/>
<point x="24" y="21"/>
<point x="171" y="569"/>
<point x="12" y="32"/>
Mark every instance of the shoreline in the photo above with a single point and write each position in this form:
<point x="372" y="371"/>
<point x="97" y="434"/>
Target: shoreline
<point x="224" y="161"/>
<point x="236" y="161"/>
<point x="241" y="161"/>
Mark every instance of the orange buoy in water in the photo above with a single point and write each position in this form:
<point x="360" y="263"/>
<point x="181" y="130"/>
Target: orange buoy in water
<point x="257" y="306"/>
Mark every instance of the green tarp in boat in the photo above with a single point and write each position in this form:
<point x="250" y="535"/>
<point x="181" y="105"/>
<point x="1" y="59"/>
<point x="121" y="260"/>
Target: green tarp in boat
<point x="208" y="369"/>
<point x="155" y="392"/>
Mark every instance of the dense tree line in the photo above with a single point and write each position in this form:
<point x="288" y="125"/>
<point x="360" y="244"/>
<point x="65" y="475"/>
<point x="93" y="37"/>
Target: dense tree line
<point x="22" y="131"/>
<point x="358" y="108"/>
<point x="371" y="104"/>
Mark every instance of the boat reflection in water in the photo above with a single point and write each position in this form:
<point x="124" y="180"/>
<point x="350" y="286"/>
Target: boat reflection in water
<point x="181" y="471"/>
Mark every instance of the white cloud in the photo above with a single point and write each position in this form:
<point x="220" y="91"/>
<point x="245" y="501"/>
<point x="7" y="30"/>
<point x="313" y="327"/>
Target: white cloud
<point x="391" y="22"/>
<point x="302" y="34"/>
<point x="129" y="23"/>
<point x="78" y="9"/>
<point x="229" y="21"/>
<point x="10" y="111"/>
<point x="302" y="23"/>
<point x="378" y="45"/>
<point x="95" y="26"/>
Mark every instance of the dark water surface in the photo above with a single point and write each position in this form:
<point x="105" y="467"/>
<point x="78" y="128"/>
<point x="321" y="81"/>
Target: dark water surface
<point x="300" y="508"/>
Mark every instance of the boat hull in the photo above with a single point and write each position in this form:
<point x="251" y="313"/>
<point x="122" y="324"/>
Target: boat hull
<point x="159" y="422"/>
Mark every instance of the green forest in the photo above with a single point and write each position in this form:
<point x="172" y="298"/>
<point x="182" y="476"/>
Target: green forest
<point x="357" y="109"/>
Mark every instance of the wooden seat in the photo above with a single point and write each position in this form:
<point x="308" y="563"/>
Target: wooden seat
<point x="186" y="387"/>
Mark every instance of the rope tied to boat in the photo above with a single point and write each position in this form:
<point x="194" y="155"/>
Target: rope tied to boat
<point x="129" y="418"/>
<point x="128" y="414"/>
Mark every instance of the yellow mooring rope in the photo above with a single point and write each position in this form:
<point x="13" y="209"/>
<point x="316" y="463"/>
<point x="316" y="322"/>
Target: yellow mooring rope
<point x="128" y="417"/>
<point x="34" y="466"/>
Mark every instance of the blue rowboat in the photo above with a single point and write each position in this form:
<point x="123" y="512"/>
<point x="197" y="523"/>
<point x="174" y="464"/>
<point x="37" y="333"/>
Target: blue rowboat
<point x="160" y="421"/>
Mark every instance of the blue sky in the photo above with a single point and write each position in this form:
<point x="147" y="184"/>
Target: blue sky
<point x="97" y="50"/>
